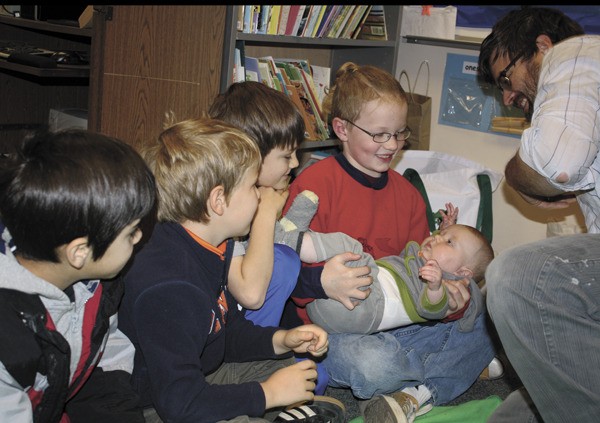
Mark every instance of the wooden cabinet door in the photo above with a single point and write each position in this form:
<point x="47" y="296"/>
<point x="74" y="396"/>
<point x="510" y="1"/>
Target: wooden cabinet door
<point x="155" y="60"/>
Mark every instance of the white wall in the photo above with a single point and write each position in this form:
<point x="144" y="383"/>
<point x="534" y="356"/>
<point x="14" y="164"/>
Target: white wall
<point x="515" y="221"/>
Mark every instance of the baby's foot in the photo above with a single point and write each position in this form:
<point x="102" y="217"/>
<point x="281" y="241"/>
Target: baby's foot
<point x="301" y="212"/>
<point x="290" y="227"/>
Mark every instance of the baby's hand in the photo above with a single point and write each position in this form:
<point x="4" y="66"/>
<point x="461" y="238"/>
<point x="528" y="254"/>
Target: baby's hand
<point x="431" y="273"/>
<point x="449" y="216"/>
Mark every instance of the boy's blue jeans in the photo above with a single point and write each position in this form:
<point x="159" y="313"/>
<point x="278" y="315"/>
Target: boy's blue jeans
<point x="436" y="354"/>
<point x="544" y="298"/>
<point x="286" y="267"/>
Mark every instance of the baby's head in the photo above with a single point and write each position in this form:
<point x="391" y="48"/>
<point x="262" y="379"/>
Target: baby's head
<point x="459" y="249"/>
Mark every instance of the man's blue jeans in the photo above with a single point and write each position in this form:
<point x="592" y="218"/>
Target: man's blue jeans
<point x="436" y="354"/>
<point x="544" y="299"/>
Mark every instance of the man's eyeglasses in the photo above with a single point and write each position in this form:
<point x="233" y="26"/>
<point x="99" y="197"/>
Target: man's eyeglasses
<point x="503" y="82"/>
<point x="383" y="137"/>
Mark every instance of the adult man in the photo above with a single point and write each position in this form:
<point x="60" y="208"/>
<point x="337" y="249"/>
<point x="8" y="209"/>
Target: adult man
<point x="544" y="297"/>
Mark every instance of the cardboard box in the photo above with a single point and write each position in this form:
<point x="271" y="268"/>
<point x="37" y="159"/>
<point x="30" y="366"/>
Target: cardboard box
<point x="86" y="18"/>
<point x="67" y="119"/>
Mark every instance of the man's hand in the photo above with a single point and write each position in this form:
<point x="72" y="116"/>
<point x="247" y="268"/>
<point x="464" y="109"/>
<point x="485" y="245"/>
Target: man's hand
<point x="343" y="284"/>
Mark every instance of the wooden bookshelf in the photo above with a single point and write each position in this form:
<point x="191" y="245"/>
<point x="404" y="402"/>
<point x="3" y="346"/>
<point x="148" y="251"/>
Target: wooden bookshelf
<point x="329" y="52"/>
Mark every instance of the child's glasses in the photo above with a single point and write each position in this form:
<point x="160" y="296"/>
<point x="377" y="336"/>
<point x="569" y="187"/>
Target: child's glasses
<point x="383" y="137"/>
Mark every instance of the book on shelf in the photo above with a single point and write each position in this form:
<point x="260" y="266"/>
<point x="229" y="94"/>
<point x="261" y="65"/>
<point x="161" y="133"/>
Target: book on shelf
<point x="240" y="18"/>
<point x="255" y="20"/>
<point x="263" y="20"/>
<point x="310" y="132"/>
<point x="353" y="21"/>
<point x="273" y="19"/>
<point x="303" y="20"/>
<point x="317" y="23"/>
<point x="333" y="14"/>
<point x="321" y="76"/>
<point x="265" y="74"/>
<point x="310" y="20"/>
<point x="327" y="15"/>
<point x="252" y="69"/>
<point x="278" y="80"/>
<point x="239" y="74"/>
<point x="361" y="23"/>
<point x="374" y="26"/>
<point x="248" y="19"/>
<point x="305" y="86"/>
<point x="283" y="19"/>
<point x="340" y="20"/>
<point x="345" y="20"/>
<point x="293" y="15"/>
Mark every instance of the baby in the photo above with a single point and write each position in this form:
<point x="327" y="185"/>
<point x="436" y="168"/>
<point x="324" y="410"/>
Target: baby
<point x="407" y="288"/>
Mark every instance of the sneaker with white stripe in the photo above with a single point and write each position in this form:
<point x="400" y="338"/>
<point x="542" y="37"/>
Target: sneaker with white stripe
<point x="321" y="410"/>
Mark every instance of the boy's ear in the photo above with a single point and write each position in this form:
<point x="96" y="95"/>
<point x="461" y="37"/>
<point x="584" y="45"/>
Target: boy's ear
<point x="465" y="271"/>
<point x="77" y="252"/>
<point x="543" y="43"/>
<point x="217" y="201"/>
<point x="339" y="127"/>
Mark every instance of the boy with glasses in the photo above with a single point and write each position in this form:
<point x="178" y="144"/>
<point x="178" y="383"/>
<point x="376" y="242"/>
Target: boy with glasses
<point x="401" y="371"/>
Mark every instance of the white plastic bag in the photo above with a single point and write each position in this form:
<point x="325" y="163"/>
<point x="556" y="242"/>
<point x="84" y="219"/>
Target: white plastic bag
<point x="450" y="179"/>
<point x="429" y="21"/>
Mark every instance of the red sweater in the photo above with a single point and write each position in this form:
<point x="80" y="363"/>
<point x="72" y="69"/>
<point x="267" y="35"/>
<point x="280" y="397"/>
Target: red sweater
<point x="383" y="214"/>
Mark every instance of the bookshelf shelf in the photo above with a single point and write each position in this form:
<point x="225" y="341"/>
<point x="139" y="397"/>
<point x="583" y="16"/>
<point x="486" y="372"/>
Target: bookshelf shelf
<point x="331" y="52"/>
<point x="307" y="41"/>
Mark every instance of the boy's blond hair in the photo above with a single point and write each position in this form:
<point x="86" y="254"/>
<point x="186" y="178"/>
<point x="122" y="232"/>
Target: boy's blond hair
<point x="356" y="85"/>
<point x="192" y="157"/>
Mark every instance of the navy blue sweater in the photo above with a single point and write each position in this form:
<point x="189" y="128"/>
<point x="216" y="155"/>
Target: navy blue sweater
<point x="184" y="325"/>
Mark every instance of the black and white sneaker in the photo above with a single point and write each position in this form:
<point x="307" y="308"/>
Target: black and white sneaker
<point x="320" y="410"/>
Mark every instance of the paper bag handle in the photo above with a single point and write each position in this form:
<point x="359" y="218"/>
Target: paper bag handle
<point x="411" y="90"/>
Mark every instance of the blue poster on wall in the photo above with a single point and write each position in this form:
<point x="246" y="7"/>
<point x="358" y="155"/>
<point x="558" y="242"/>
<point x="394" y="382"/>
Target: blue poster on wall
<point x="467" y="102"/>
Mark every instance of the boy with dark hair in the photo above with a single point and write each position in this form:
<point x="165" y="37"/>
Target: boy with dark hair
<point x="71" y="202"/>
<point x="198" y="359"/>
<point x="262" y="274"/>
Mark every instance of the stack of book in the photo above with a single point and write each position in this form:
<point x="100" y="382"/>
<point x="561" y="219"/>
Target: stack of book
<point x="316" y="21"/>
<point x="304" y="84"/>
